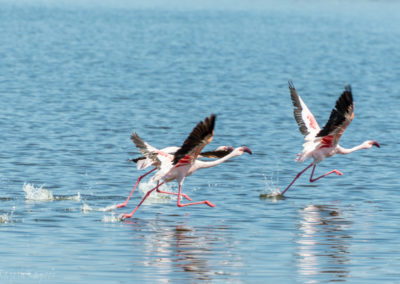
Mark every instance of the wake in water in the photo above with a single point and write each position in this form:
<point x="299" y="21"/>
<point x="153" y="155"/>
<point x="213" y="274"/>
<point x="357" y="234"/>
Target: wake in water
<point x="86" y="208"/>
<point x="106" y="218"/>
<point x="143" y="188"/>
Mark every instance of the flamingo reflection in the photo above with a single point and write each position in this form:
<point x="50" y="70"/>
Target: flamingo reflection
<point x="323" y="244"/>
<point x="184" y="251"/>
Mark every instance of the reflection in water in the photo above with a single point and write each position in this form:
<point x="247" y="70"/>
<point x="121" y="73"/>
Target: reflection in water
<point x="183" y="252"/>
<point x="323" y="245"/>
<point x="192" y="250"/>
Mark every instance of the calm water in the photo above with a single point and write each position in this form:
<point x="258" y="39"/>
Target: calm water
<point x="76" y="79"/>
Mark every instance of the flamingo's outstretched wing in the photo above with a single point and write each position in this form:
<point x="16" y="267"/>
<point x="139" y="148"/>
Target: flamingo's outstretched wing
<point x="304" y="118"/>
<point x="146" y="149"/>
<point x="200" y="136"/>
<point x="150" y="153"/>
<point x="218" y="153"/>
<point x="340" y="118"/>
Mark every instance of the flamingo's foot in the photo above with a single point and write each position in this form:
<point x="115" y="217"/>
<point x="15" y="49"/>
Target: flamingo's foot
<point x="187" y="197"/>
<point x="121" y="205"/>
<point x="126" y="216"/>
<point x="195" y="203"/>
<point x="209" y="203"/>
<point x="338" y="172"/>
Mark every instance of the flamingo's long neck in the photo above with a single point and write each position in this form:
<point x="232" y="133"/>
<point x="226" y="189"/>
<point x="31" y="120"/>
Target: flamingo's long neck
<point x="203" y="164"/>
<point x="344" y="151"/>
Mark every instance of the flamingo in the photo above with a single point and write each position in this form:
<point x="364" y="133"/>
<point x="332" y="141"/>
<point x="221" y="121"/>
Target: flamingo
<point x="184" y="162"/>
<point x="323" y="143"/>
<point x="144" y="162"/>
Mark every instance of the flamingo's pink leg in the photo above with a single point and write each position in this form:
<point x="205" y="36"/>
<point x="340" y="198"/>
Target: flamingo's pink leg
<point x="298" y="175"/>
<point x="193" y="203"/>
<point x="137" y="182"/>
<point x="328" y="173"/>
<point x="144" y="198"/>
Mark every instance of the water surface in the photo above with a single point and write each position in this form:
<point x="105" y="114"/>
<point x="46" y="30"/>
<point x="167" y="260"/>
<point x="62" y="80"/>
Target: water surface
<point x="76" y="79"/>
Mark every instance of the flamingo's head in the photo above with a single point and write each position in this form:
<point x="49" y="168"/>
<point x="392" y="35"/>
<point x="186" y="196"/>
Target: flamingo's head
<point x="375" y="143"/>
<point x="370" y="143"/>
<point x="246" y="149"/>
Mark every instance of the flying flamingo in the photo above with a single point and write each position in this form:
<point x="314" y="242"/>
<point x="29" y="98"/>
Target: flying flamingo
<point x="321" y="144"/>
<point x="144" y="162"/>
<point x="184" y="162"/>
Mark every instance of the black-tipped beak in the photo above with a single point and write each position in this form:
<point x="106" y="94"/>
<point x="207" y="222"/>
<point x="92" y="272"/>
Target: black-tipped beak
<point x="247" y="150"/>
<point x="375" y="143"/>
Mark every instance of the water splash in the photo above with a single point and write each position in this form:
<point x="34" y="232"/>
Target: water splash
<point x="76" y="197"/>
<point x="7" y="217"/>
<point x="37" y="193"/>
<point x="271" y="189"/>
<point x="143" y="188"/>
<point x="155" y="197"/>
<point x="42" y="194"/>
<point x="112" y="218"/>
<point x="86" y="208"/>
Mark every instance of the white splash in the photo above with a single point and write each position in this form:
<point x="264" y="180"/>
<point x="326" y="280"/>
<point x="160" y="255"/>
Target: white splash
<point x="142" y="190"/>
<point x="112" y="218"/>
<point x="74" y="197"/>
<point x="37" y="193"/>
<point x="271" y="189"/>
<point x="7" y="217"/>
<point x="106" y="218"/>
<point x="272" y="186"/>
<point x="107" y="208"/>
<point x="86" y="208"/>
<point x="155" y="197"/>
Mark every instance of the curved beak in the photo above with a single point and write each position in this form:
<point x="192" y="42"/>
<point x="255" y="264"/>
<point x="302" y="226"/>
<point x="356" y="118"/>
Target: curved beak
<point x="247" y="150"/>
<point x="375" y="143"/>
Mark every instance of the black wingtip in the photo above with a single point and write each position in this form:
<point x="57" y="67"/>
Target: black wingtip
<point x="344" y="105"/>
<point x="135" y="160"/>
<point x="209" y="122"/>
<point x="134" y="135"/>
<point x="211" y="119"/>
<point x="202" y="130"/>
<point x="346" y="98"/>
<point x="347" y="94"/>
<point x="291" y="85"/>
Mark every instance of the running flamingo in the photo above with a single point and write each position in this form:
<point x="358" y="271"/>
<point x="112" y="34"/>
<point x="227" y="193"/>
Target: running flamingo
<point x="184" y="162"/>
<point x="144" y="162"/>
<point x="321" y="144"/>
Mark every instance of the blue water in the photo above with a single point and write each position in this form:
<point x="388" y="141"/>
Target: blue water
<point x="77" y="78"/>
